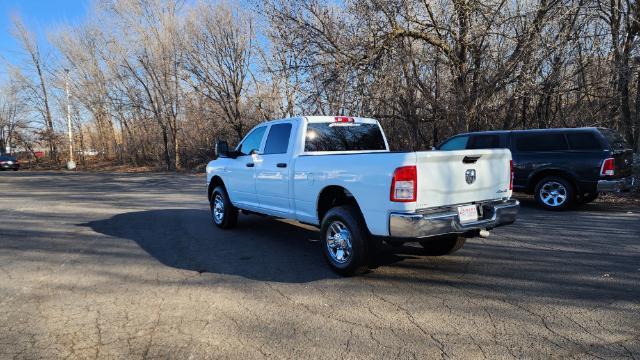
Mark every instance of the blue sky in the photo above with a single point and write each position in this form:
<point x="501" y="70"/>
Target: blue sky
<point x="39" y="16"/>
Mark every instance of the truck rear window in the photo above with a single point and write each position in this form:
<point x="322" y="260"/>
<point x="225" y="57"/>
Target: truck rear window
<point x="343" y="137"/>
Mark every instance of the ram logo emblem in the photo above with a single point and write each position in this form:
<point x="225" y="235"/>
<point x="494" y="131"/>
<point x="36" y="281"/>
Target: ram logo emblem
<point x="470" y="176"/>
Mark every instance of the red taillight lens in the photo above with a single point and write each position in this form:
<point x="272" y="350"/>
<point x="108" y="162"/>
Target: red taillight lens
<point x="608" y="167"/>
<point x="344" y="119"/>
<point x="404" y="184"/>
<point x="510" y="174"/>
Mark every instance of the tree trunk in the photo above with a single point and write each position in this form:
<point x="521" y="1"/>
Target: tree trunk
<point x="637" y="127"/>
<point x="176" y="149"/>
<point x="165" y="142"/>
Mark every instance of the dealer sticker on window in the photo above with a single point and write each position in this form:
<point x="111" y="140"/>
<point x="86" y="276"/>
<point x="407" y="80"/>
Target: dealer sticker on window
<point x="467" y="214"/>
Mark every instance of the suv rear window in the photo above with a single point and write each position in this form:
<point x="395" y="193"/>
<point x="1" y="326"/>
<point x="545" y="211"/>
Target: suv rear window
<point x="583" y="140"/>
<point x="541" y="142"/>
<point x="614" y="139"/>
<point x="343" y="137"/>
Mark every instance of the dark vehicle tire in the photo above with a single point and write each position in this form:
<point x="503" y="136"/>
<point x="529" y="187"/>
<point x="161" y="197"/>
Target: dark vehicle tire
<point x="223" y="213"/>
<point x="15" y="169"/>
<point x="554" y="193"/>
<point x="345" y="241"/>
<point x="587" y="198"/>
<point x="443" y="245"/>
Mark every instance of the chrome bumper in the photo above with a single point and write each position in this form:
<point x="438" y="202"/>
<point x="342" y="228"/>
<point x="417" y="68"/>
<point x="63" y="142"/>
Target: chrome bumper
<point x="616" y="185"/>
<point x="445" y="221"/>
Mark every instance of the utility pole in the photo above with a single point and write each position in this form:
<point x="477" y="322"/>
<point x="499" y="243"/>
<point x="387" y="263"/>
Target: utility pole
<point x="70" y="164"/>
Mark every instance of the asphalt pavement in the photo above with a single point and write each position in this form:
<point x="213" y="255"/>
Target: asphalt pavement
<point x="107" y="265"/>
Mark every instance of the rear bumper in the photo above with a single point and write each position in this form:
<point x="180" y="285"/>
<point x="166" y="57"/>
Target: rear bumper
<point x="616" y="185"/>
<point x="445" y="221"/>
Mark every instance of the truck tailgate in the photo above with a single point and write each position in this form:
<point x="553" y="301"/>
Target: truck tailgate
<point x="464" y="176"/>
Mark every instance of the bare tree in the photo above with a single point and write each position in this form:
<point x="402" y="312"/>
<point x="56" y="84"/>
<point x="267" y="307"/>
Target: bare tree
<point x="218" y="59"/>
<point x="36" y="90"/>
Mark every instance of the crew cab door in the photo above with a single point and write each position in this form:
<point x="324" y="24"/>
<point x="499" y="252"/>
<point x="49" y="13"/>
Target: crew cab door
<point x="273" y="169"/>
<point x="241" y="170"/>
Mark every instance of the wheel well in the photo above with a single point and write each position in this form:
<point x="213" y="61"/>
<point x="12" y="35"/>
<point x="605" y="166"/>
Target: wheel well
<point x="333" y="196"/>
<point x="544" y="173"/>
<point x="215" y="181"/>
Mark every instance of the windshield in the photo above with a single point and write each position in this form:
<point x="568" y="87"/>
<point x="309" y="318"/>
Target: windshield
<point x="344" y="137"/>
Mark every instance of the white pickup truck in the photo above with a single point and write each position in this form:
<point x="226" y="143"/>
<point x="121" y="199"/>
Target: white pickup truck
<point x="337" y="173"/>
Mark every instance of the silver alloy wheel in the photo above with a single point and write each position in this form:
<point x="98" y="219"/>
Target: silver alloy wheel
<point x="339" y="242"/>
<point x="218" y="209"/>
<point x="553" y="193"/>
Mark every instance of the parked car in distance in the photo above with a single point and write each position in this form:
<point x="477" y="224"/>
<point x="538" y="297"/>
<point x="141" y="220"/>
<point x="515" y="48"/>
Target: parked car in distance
<point x="337" y="173"/>
<point x="560" y="167"/>
<point x="8" y="162"/>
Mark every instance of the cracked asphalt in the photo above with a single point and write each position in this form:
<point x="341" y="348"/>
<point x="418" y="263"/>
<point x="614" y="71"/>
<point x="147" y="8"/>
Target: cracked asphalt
<point x="102" y="265"/>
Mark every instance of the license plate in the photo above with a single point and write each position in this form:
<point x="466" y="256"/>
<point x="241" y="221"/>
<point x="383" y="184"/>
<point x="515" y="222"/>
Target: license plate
<point x="467" y="213"/>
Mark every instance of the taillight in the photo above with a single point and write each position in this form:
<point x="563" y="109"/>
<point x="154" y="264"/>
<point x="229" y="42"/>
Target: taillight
<point x="510" y="174"/>
<point x="608" y="167"/>
<point x="344" y="119"/>
<point x="404" y="184"/>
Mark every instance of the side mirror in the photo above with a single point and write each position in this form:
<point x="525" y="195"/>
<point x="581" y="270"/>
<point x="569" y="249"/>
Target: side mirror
<point x="221" y="149"/>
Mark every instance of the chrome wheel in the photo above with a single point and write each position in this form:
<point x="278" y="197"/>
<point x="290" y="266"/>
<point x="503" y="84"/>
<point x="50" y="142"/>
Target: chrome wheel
<point x="553" y="193"/>
<point x="339" y="242"/>
<point x="218" y="209"/>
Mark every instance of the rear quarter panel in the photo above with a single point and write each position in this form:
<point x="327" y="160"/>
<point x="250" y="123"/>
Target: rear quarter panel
<point x="366" y="176"/>
<point x="582" y="167"/>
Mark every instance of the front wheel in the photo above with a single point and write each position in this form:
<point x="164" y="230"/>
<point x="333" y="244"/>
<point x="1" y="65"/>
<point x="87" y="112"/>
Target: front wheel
<point x="345" y="241"/>
<point x="223" y="213"/>
<point x="443" y="245"/>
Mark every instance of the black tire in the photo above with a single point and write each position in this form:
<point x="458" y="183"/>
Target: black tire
<point x="564" y="197"/>
<point x="587" y="198"/>
<point x="353" y="262"/>
<point x="228" y="212"/>
<point x="443" y="245"/>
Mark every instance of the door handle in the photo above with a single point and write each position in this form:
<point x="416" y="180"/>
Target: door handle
<point x="250" y="164"/>
<point x="281" y="165"/>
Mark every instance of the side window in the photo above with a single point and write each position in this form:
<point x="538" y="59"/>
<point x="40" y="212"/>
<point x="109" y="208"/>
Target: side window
<point x="584" y="140"/>
<point x="456" y="143"/>
<point x="278" y="139"/>
<point x="252" y="142"/>
<point x="484" y="142"/>
<point x="541" y="142"/>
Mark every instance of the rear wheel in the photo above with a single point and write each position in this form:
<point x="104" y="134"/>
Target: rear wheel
<point x="443" y="245"/>
<point x="223" y="213"/>
<point x="554" y="193"/>
<point x="345" y="241"/>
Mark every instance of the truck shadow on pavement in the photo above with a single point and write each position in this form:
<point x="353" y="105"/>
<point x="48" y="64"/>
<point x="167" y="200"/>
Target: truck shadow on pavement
<point x="259" y="248"/>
